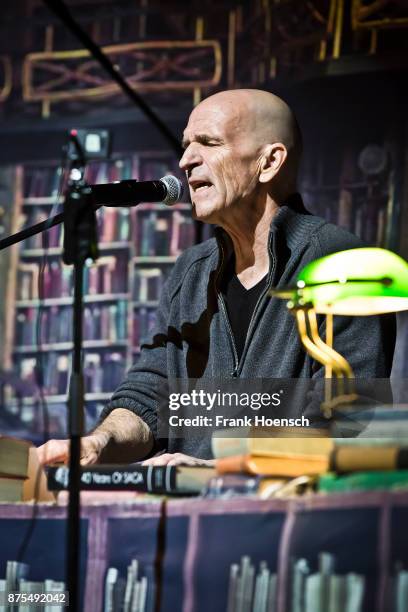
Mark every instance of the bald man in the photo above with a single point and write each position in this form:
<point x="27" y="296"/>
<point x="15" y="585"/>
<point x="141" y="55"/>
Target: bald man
<point x="242" y="150"/>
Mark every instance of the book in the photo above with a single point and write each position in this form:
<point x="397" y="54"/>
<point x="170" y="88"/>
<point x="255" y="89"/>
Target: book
<point x="128" y="595"/>
<point x="288" y="467"/>
<point x="358" y="459"/>
<point x="3" y="591"/>
<point x="271" y="442"/>
<point x="14" y="457"/>
<point x="299" y="574"/>
<point x="324" y="590"/>
<point x="15" y="572"/>
<point x="363" y="441"/>
<point x="343" y="459"/>
<point x="35" y="485"/>
<point x="401" y="592"/>
<point x="11" y="489"/>
<point x="355" y="585"/>
<point x="363" y="481"/>
<point x="27" y="281"/>
<point x="147" y="285"/>
<point x="131" y="579"/>
<point x="337" y="593"/>
<point x="313" y="593"/>
<point x="53" y="586"/>
<point x="29" y="587"/>
<point x="249" y="589"/>
<point x="135" y="477"/>
<point x="110" y="581"/>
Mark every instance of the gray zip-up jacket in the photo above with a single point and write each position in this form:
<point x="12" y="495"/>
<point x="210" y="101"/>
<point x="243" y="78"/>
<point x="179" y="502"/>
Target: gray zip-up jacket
<point x="192" y="337"/>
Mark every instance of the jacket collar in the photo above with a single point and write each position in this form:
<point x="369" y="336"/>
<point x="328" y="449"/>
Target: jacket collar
<point x="289" y="232"/>
<point x="292" y="224"/>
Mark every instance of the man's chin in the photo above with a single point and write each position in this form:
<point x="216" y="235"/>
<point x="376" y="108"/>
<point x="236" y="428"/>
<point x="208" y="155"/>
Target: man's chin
<point x="203" y="213"/>
<point x="204" y="216"/>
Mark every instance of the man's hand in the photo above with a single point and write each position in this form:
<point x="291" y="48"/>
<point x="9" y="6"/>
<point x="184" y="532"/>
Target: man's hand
<point x="178" y="459"/>
<point x="121" y="438"/>
<point x="57" y="451"/>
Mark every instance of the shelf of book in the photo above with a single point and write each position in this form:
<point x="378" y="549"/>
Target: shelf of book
<point x="146" y="304"/>
<point x="67" y="301"/>
<point x="54" y="201"/>
<point x="325" y="553"/>
<point x="354" y="187"/>
<point x="138" y="247"/>
<point x="67" y="346"/>
<point x="61" y="399"/>
<point x="162" y="259"/>
<point x="57" y="251"/>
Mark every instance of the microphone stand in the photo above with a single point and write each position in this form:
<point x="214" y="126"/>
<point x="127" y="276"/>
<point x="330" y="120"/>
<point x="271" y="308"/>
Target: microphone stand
<point x="31" y="231"/>
<point x="80" y="244"/>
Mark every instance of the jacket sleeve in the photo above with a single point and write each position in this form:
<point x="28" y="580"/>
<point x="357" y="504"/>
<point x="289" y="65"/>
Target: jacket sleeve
<point x="145" y="383"/>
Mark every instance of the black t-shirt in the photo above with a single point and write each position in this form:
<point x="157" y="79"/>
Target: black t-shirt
<point x="240" y="303"/>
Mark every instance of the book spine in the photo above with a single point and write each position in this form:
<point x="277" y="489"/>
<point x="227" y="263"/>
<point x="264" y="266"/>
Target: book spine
<point x="236" y="463"/>
<point x="401" y="592"/>
<point x="144" y="478"/>
<point x="273" y="466"/>
<point x="352" y="459"/>
<point x="363" y="481"/>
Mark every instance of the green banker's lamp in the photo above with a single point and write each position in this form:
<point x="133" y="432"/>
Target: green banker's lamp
<point x="358" y="282"/>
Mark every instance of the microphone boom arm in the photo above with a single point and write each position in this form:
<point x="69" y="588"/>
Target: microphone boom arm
<point x="168" y="188"/>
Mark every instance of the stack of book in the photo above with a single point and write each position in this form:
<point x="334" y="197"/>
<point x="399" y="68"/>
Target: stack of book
<point x="251" y="591"/>
<point x="325" y="590"/>
<point x="375" y="459"/>
<point x="13" y="468"/>
<point x="130" y="595"/>
<point x="21" y="476"/>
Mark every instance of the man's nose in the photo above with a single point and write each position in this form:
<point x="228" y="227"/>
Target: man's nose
<point x="191" y="158"/>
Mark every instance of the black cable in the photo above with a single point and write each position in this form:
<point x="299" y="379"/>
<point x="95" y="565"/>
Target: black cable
<point x="61" y="10"/>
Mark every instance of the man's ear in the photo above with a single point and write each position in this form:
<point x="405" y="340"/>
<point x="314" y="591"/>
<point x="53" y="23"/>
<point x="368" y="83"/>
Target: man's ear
<point x="274" y="156"/>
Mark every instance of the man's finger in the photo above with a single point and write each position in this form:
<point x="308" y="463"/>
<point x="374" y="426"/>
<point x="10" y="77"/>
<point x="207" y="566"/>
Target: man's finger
<point x="186" y="460"/>
<point x="89" y="458"/>
<point x="52" y="451"/>
<point x="159" y="460"/>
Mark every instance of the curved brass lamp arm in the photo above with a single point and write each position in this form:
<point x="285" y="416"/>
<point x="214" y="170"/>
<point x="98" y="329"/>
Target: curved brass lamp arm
<point x="343" y="395"/>
<point x="342" y="363"/>
<point x="313" y="350"/>
<point x="327" y="356"/>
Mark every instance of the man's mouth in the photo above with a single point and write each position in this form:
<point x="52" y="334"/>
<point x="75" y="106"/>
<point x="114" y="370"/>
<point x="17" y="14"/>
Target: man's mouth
<point x="199" y="186"/>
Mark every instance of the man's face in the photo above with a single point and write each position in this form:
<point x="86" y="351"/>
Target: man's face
<point x="221" y="159"/>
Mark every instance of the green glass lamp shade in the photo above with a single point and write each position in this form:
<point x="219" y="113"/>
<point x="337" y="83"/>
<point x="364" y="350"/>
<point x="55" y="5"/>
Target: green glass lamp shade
<point x="364" y="281"/>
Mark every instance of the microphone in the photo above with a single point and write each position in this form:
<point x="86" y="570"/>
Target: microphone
<point x="168" y="190"/>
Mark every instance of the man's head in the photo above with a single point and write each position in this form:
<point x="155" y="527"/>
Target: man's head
<point x="241" y="146"/>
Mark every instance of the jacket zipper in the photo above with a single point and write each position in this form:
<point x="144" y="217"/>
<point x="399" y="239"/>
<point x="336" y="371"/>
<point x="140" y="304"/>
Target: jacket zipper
<point x="224" y="311"/>
<point x="239" y="365"/>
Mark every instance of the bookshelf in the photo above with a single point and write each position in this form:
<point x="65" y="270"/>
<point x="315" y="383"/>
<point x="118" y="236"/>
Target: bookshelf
<point x="138" y="247"/>
<point x="310" y="549"/>
<point x="355" y="188"/>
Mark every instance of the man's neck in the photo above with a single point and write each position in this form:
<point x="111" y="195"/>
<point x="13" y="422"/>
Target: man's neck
<point x="250" y="242"/>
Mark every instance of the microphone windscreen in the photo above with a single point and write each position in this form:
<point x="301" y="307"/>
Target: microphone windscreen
<point x="174" y="189"/>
